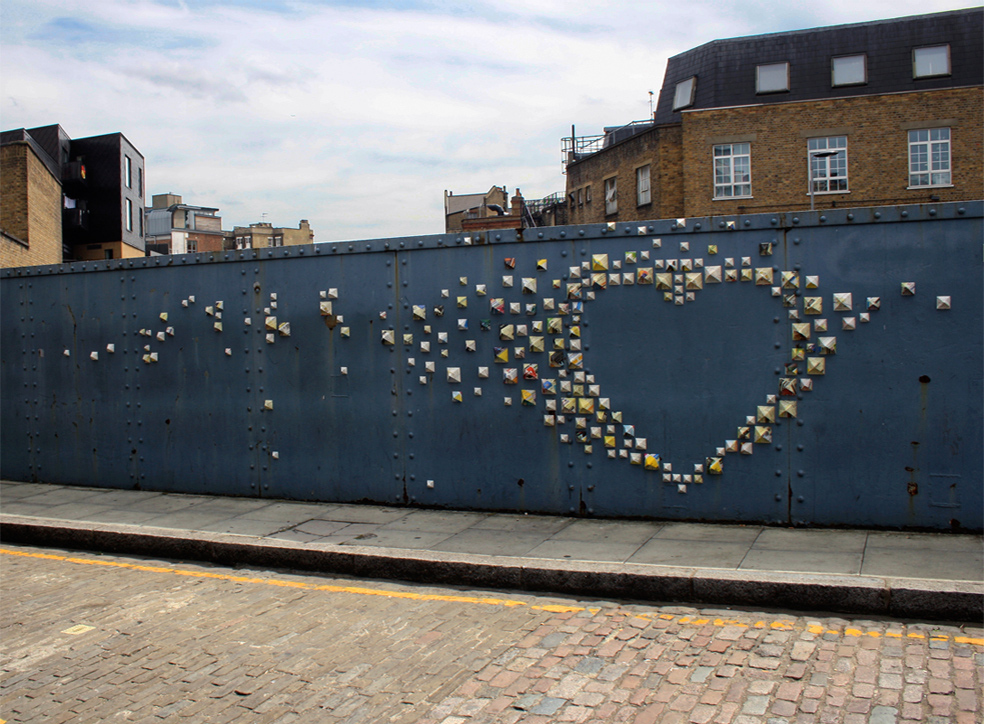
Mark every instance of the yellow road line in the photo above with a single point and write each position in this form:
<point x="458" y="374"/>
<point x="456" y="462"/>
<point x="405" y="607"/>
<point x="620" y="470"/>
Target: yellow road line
<point x="779" y="625"/>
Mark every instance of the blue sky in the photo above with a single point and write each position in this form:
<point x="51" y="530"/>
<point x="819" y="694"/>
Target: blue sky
<point x="358" y="115"/>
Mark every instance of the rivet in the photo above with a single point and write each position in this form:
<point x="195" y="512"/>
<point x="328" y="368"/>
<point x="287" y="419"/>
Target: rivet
<point x="878" y="214"/>
<point x="778" y="473"/>
<point x="850" y="217"/>
<point x="800" y="448"/>
<point x="800" y="498"/>
<point x="823" y="219"/>
<point x="932" y="212"/>
<point x="800" y="473"/>
<point x="778" y="497"/>
<point x="570" y="464"/>
<point x="904" y="214"/>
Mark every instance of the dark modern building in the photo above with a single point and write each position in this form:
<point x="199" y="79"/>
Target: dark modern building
<point x="102" y="189"/>
<point x="876" y="113"/>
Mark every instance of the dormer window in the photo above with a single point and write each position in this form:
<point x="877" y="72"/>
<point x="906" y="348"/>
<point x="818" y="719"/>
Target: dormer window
<point x="684" y="94"/>
<point x="931" y="61"/>
<point x="849" y="70"/>
<point x="772" y="78"/>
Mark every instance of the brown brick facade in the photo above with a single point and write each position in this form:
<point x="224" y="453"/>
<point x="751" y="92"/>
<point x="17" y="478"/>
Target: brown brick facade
<point x="876" y="128"/>
<point x="30" y="209"/>
<point x="659" y="148"/>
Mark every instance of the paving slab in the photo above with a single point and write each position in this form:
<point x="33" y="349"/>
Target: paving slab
<point x="545" y="524"/>
<point x="60" y="496"/>
<point x="491" y="542"/>
<point x="400" y="539"/>
<point x="186" y="519"/>
<point x="12" y="491"/>
<point x="290" y="512"/>
<point x="702" y="553"/>
<point x="324" y="527"/>
<point x="610" y="531"/>
<point x="241" y="526"/>
<point x="709" y="532"/>
<point x="806" y="561"/>
<point x="791" y="539"/>
<point x="933" y="564"/>
<point x="577" y="550"/>
<point x="435" y="521"/>
<point x="365" y="514"/>
<point x="937" y="542"/>
<point x="82" y="510"/>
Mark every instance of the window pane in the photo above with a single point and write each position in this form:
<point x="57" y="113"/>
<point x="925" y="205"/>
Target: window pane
<point x="934" y="60"/>
<point x="771" y="78"/>
<point x="849" y="70"/>
<point x="684" y="94"/>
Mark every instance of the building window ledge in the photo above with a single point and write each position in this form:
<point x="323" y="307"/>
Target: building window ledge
<point x="929" y="186"/>
<point x="826" y="193"/>
<point x="731" y="198"/>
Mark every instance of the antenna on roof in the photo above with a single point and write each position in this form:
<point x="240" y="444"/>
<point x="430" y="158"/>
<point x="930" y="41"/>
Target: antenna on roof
<point x="651" y="112"/>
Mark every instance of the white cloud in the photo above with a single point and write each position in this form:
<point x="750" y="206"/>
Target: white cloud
<point x="357" y="118"/>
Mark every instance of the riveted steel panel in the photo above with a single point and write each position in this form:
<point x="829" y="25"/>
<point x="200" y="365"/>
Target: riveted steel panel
<point x="786" y="368"/>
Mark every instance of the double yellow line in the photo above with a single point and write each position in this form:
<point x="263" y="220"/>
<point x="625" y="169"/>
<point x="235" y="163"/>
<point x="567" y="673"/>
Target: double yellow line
<point x="778" y="624"/>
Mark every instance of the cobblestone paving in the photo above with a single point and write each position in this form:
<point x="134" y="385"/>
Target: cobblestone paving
<point x="89" y="638"/>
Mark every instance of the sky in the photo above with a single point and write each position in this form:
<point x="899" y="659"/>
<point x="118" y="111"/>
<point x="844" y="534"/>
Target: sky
<point x="359" y="115"/>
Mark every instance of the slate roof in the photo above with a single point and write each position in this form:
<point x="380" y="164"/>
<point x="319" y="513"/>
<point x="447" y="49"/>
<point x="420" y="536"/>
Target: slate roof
<point x="725" y="69"/>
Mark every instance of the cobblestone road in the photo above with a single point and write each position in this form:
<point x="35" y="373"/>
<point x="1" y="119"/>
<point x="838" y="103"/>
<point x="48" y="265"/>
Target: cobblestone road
<point x="90" y="638"/>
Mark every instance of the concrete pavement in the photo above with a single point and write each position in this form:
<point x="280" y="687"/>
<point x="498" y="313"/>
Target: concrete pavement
<point x="900" y="574"/>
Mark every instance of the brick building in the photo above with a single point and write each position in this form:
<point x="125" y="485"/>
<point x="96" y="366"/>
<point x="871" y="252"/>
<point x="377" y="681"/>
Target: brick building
<point x="174" y="227"/>
<point x="31" y="205"/>
<point x="100" y="191"/>
<point x="263" y="234"/>
<point x="468" y="207"/>
<point x="880" y="113"/>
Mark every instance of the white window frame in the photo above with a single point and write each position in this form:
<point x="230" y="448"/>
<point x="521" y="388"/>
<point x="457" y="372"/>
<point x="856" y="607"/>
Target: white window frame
<point x="847" y="67"/>
<point x="128" y="172"/>
<point x="767" y="69"/>
<point x="723" y="158"/>
<point x="643" y="189"/>
<point x="930" y="72"/>
<point x="128" y="214"/>
<point x="827" y="171"/>
<point x="930" y="161"/>
<point x="611" y="195"/>
<point x="683" y="94"/>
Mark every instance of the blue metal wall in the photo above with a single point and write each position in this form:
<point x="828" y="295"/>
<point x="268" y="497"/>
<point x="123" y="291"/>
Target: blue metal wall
<point x="666" y="357"/>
